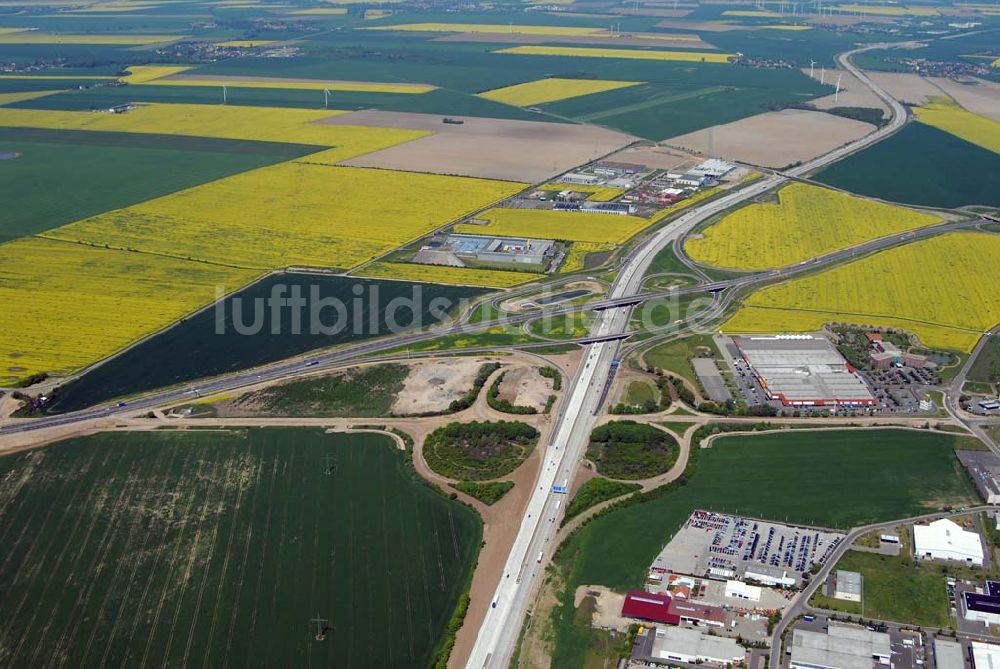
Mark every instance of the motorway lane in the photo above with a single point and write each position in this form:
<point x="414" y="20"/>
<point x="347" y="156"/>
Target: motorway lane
<point x="499" y="631"/>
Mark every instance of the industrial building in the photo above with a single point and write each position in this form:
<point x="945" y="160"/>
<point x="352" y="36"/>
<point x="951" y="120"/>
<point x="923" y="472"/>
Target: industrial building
<point x="697" y="614"/>
<point x="841" y="647"/>
<point x="731" y="548"/>
<point x="985" y="655"/>
<point x="803" y="371"/>
<point x="847" y="586"/>
<point x="580" y="179"/>
<point x="678" y="644"/>
<point x="948" y="654"/>
<point x="944" y="539"/>
<point x="983" y="606"/>
<point x="652" y="607"/>
<point x="714" y="168"/>
<point x="456" y="249"/>
<point x="741" y="590"/>
<point x="984" y="468"/>
<point x="884" y="354"/>
<point x="615" y="208"/>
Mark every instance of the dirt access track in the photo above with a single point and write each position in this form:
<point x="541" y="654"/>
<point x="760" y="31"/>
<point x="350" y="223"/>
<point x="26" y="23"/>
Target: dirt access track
<point x="775" y="139"/>
<point x="526" y="151"/>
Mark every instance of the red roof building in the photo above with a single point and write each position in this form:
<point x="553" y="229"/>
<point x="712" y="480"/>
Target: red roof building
<point x="643" y="605"/>
<point x="699" y="614"/>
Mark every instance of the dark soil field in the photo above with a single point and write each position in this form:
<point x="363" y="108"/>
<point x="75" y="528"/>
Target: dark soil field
<point x="223" y="548"/>
<point x="195" y="349"/>
<point x="63" y="176"/>
<point x="920" y="165"/>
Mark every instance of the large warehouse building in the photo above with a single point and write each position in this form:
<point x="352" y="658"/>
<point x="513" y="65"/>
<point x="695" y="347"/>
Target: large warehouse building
<point x="842" y="647"/>
<point x="945" y="539"/>
<point x="803" y="371"/>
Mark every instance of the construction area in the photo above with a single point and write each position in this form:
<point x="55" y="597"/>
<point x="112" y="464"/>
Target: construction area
<point x="800" y="371"/>
<point x="724" y="547"/>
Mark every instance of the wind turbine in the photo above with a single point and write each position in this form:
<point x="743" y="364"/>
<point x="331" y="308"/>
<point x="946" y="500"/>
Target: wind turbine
<point x="836" y="96"/>
<point x="224" y="94"/>
<point x="812" y="64"/>
<point x="326" y="98"/>
<point x="822" y="76"/>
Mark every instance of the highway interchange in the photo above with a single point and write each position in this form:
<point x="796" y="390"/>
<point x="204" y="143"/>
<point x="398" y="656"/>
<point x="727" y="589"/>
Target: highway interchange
<point x="584" y="393"/>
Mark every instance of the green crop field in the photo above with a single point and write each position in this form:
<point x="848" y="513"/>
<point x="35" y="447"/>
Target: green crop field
<point x="920" y="165"/>
<point x="194" y="348"/>
<point x="218" y="548"/>
<point x="94" y="172"/>
<point x="836" y="479"/>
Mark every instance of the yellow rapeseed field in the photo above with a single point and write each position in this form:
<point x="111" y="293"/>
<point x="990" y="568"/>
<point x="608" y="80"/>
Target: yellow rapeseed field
<point x="942" y="289"/>
<point x="34" y="37"/>
<point x="273" y="124"/>
<point x="143" y="74"/>
<point x="491" y="28"/>
<point x="459" y="276"/>
<point x="66" y="306"/>
<point x="321" y="11"/>
<point x="885" y="10"/>
<point x="945" y="114"/>
<point x="10" y="98"/>
<point x="636" y="54"/>
<point x="578" y="254"/>
<point x="291" y="214"/>
<point x="548" y="224"/>
<point x="752" y="13"/>
<point x="292" y="84"/>
<point x="808" y="221"/>
<point x="550" y="90"/>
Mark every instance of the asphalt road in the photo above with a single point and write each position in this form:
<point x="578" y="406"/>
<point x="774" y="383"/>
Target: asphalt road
<point x="801" y="606"/>
<point x="501" y="626"/>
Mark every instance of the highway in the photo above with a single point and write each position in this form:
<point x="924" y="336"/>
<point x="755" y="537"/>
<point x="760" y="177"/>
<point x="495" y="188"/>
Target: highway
<point x="525" y="562"/>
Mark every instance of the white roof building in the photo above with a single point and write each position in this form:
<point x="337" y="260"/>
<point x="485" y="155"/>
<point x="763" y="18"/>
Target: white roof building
<point x="687" y="645"/>
<point x="985" y="655"/>
<point x="945" y="540"/>
<point x="848" y="586"/>
<point x="842" y="647"/>
<point x="740" y="590"/>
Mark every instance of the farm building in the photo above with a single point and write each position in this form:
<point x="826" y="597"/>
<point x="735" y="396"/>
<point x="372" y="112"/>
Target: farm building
<point x="678" y="644"/>
<point x="803" y="371"/>
<point x="643" y="605"/>
<point x="945" y="540"/>
<point x="842" y="647"/>
<point x="847" y="586"/>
